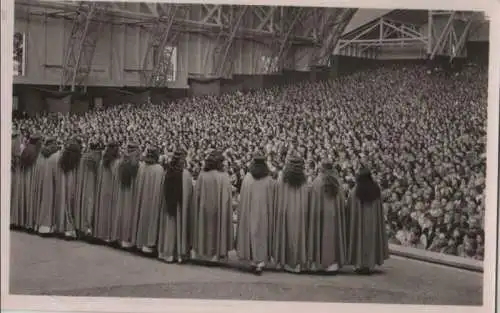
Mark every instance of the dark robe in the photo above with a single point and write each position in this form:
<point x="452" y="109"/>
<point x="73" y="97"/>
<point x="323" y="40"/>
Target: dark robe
<point x="326" y="248"/>
<point x="64" y="198"/>
<point x="149" y="201"/>
<point x="174" y="242"/>
<point x="15" y="181"/>
<point x="290" y="226"/>
<point x="103" y="212"/>
<point x="367" y="239"/>
<point x="28" y="210"/>
<point x="125" y="209"/>
<point x="86" y="191"/>
<point x="41" y="181"/>
<point x="213" y="216"/>
<point x="255" y="219"/>
<point x="47" y="213"/>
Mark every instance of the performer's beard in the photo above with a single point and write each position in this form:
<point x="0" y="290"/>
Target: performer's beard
<point x="48" y="150"/>
<point x="91" y="160"/>
<point x="29" y="155"/>
<point x="331" y="184"/>
<point x="173" y="187"/>
<point x="70" y="160"/>
<point x="294" y="177"/>
<point x="367" y="190"/>
<point x="128" y="169"/>
<point x="110" y="154"/>
<point x="259" y="170"/>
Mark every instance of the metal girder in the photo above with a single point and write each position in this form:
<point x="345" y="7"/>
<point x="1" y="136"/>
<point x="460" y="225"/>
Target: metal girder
<point x="77" y="62"/>
<point x="281" y="47"/>
<point x="222" y="53"/>
<point x="381" y="33"/>
<point x="331" y="35"/>
<point x="266" y="20"/>
<point x="449" y="40"/>
<point x="123" y="16"/>
<point x="158" y="57"/>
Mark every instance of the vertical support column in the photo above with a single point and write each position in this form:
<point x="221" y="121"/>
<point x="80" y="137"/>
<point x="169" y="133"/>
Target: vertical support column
<point x="430" y="32"/>
<point x="223" y="55"/>
<point x="77" y="63"/>
<point x="155" y="73"/>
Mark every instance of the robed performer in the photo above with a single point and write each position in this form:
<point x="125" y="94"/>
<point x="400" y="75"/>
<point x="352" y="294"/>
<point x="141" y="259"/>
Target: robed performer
<point x="255" y="214"/>
<point x="367" y="241"/>
<point x="290" y="229"/>
<point x="149" y="200"/>
<point x="326" y="247"/>
<point x="212" y="220"/>
<point x="175" y="231"/>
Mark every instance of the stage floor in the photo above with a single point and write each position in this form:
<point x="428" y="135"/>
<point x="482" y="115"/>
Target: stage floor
<point x="47" y="266"/>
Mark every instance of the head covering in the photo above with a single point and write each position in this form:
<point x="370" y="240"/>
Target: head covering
<point x="294" y="172"/>
<point x="214" y="161"/>
<point x="259" y="168"/>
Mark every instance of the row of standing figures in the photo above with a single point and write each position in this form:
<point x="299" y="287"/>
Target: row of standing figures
<point x="135" y="203"/>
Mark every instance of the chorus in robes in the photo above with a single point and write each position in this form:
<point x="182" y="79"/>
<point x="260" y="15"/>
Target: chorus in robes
<point x="103" y="211"/>
<point x="15" y="179"/>
<point x="28" y="206"/>
<point x="367" y="237"/>
<point x="326" y="248"/>
<point x="149" y="200"/>
<point x="86" y="189"/>
<point x="290" y="218"/>
<point x="212" y="220"/>
<point x="65" y="178"/>
<point x="126" y="193"/>
<point x="255" y="214"/>
<point x="40" y="177"/>
<point x="47" y="214"/>
<point x="174" y="242"/>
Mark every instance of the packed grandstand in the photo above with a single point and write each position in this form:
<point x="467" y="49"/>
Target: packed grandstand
<point x="420" y="131"/>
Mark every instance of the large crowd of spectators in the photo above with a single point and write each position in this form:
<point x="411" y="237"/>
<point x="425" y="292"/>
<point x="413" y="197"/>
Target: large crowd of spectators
<point x="421" y="132"/>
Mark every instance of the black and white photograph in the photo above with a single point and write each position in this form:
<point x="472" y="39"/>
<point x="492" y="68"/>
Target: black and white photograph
<point x="241" y="151"/>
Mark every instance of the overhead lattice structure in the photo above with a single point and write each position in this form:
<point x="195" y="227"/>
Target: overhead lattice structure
<point x="79" y="52"/>
<point x="432" y="32"/>
<point x="157" y="64"/>
<point x="450" y="39"/>
<point x="278" y="28"/>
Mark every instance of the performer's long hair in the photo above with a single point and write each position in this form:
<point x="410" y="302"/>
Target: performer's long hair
<point x="152" y="156"/>
<point x="70" y="158"/>
<point x="30" y="153"/>
<point x="330" y="182"/>
<point x="129" y="167"/>
<point x="294" y="175"/>
<point x="215" y="161"/>
<point x="92" y="158"/>
<point x="259" y="168"/>
<point x="173" y="186"/>
<point x="367" y="190"/>
<point x="111" y="153"/>
<point x="16" y="150"/>
<point x="49" y="147"/>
